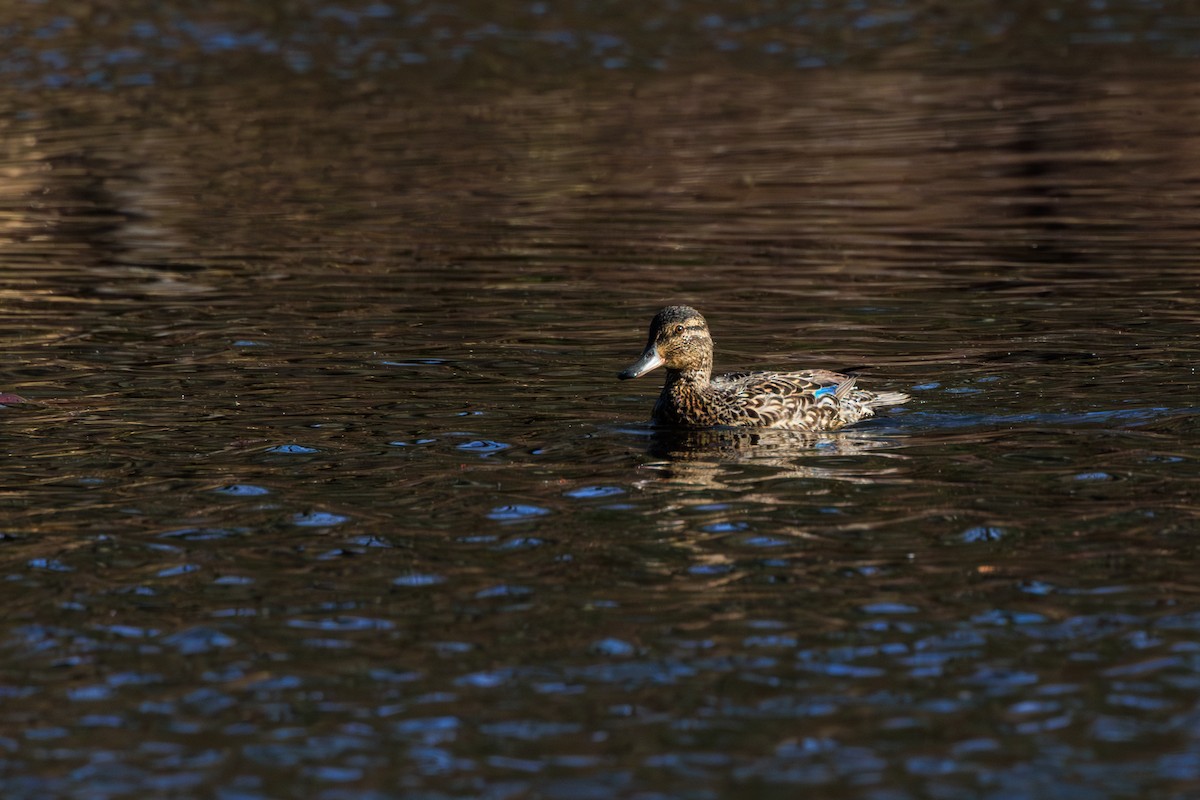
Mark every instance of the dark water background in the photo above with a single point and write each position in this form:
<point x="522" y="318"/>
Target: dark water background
<point x="325" y="487"/>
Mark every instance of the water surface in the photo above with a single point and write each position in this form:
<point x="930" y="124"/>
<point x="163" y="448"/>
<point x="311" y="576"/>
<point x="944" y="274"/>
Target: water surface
<point x="325" y="486"/>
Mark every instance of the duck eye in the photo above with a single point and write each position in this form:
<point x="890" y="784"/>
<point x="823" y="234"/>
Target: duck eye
<point x="679" y="329"/>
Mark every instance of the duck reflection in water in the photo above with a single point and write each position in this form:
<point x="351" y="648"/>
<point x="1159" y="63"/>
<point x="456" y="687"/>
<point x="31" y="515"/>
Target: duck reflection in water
<point x="812" y="400"/>
<point x="705" y="457"/>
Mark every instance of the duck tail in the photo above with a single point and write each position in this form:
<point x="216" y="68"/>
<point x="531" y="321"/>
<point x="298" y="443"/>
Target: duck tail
<point x="882" y="399"/>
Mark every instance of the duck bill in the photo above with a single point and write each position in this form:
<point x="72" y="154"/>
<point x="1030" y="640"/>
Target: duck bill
<point x="649" y="360"/>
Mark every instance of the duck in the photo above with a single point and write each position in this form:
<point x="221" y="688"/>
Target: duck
<point x="809" y="400"/>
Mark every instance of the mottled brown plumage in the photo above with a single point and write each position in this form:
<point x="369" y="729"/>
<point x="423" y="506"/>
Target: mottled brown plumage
<point x="813" y="400"/>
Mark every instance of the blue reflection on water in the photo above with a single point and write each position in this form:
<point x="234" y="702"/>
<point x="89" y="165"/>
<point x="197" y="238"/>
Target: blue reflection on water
<point x="483" y="446"/>
<point x="350" y="43"/>
<point x="242" y="490"/>
<point x="516" y="512"/>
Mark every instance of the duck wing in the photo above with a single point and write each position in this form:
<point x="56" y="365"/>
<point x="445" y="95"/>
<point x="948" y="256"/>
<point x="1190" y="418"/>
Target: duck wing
<point x="815" y="400"/>
<point x="784" y="400"/>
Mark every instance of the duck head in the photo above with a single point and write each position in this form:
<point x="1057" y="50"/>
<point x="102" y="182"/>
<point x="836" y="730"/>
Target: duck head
<point x="679" y="340"/>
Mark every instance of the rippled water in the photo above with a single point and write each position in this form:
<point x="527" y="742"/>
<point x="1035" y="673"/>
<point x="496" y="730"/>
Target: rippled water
<point x="324" y="485"/>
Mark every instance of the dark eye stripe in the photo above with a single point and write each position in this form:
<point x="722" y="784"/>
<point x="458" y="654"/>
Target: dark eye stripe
<point x="683" y="327"/>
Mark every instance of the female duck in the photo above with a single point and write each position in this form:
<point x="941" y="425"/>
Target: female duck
<point x="815" y="400"/>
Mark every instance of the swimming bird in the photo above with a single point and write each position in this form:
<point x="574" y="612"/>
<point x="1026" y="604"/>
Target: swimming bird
<point x="811" y="400"/>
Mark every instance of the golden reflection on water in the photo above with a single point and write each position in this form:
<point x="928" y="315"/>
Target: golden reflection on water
<point x="844" y="173"/>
